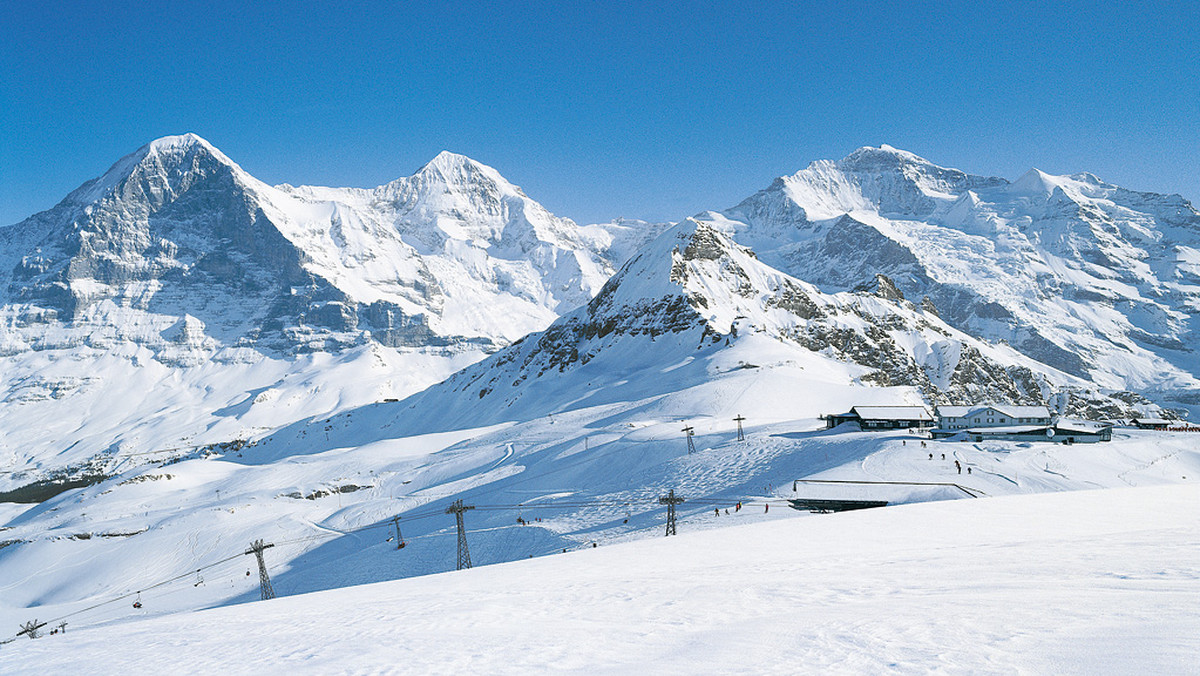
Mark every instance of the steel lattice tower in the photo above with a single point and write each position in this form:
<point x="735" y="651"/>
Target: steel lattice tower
<point x="670" y="501"/>
<point x="689" y="431"/>
<point x="741" y="434"/>
<point x="464" y="555"/>
<point x="31" y="629"/>
<point x="264" y="580"/>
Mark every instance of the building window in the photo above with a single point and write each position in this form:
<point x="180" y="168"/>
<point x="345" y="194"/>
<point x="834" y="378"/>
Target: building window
<point x="1002" y="420"/>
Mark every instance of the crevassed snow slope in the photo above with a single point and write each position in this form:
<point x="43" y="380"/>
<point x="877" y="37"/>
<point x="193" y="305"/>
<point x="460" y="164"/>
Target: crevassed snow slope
<point x="1088" y="582"/>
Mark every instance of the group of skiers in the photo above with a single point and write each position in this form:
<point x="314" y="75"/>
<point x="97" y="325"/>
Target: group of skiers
<point x="957" y="465"/>
<point x="738" y="507"/>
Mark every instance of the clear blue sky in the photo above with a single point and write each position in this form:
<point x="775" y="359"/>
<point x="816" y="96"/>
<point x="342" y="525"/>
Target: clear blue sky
<point x="605" y="109"/>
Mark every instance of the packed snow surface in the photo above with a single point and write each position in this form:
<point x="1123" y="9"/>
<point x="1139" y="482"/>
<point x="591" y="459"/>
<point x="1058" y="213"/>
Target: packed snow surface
<point x="1086" y="582"/>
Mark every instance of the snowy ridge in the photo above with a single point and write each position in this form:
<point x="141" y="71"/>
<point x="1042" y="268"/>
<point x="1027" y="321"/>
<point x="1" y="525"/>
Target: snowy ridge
<point x="694" y="293"/>
<point x="228" y="299"/>
<point x="1085" y="276"/>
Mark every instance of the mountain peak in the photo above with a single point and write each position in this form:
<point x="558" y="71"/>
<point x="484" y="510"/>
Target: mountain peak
<point x="179" y="141"/>
<point x="451" y="172"/>
<point x="448" y="160"/>
<point x="884" y="155"/>
<point x="177" y="147"/>
<point x="168" y="154"/>
<point x="1037" y="182"/>
<point x="454" y="167"/>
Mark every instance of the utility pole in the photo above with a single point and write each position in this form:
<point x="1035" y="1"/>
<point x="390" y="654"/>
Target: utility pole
<point x="264" y="580"/>
<point x="689" y="431"/>
<point x="741" y="434"/>
<point x="464" y="555"/>
<point x="670" y="500"/>
<point x="399" y="540"/>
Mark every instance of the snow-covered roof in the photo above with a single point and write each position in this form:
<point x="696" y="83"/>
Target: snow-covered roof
<point x="1068" y="425"/>
<point x="1151" y="421"/>
<point x="1079" y="426"/>
<point x="1009" y="429"/>
<point x="892" y="412"/>
<point x="1024" y="411"/>
<point x="1006" y="409"/>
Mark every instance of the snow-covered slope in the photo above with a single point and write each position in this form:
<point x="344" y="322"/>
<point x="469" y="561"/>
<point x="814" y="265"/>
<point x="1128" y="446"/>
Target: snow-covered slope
<point x="578" y="426"/>
<point x="176" y="301"/>
<point x="1090" y="278"/>
<point x="692" y="293"/>
<point x="1087" y="582"/>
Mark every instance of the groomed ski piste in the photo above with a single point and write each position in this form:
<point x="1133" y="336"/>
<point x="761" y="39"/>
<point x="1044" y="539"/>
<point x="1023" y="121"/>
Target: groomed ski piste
<point x="1081" y="582"/>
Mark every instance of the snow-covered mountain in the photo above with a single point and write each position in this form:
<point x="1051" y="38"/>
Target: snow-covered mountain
<point x="177" y="243"/>
<point x="364" y="354"/>
<point x="1095" y="280"/>
<point x="177" y="301"/>
<point x="693" y="291"/>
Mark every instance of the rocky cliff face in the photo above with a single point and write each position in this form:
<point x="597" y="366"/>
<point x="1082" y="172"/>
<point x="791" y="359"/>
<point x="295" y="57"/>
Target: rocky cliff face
<point x="694" y="292"/>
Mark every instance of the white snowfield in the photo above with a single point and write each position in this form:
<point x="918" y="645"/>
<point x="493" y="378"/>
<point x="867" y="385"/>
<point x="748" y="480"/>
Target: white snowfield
<point x="1084" y="582"/>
